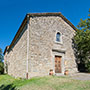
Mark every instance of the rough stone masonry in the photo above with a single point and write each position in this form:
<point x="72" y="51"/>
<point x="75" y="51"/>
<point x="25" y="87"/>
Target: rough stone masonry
<point x="42" y="43"/>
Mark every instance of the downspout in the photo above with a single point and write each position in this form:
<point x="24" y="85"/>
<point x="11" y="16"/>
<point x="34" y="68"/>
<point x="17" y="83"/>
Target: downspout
<point x="27" y="46"/>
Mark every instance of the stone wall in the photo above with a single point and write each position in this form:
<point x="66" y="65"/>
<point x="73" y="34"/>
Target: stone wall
<point x="43" y="31"/>
<point x="17" y="56"/>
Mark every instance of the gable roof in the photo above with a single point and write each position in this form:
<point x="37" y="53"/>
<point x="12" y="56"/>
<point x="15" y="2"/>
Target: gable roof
<point x="53" y="14"/>
<point x="38" y="15"/>
<point x="6" y="49"/>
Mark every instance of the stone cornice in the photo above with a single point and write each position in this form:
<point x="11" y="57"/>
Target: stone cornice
<point x="59" y="50"/>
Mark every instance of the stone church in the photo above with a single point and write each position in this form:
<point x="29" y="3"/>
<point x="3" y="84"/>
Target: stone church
<point x="42" y="44"/>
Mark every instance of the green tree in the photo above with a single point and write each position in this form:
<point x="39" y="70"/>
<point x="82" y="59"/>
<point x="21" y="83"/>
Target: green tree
<point x="1" y="56"/>
<point x="82" y="43"/>
<point x="1" y="62"/>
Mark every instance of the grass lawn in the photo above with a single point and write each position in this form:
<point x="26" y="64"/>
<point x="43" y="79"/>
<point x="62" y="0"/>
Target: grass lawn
<point x="43" y="83"/>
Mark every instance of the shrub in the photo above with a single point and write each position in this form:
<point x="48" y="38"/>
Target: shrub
<point x="87" y="65"/>
<point x="1" y="68"/>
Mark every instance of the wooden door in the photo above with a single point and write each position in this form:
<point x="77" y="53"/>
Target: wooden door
<point x="57" y="64"/>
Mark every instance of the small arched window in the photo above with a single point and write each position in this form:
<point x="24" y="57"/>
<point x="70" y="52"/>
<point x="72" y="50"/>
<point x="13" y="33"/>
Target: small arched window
<point x="58" y="37"/>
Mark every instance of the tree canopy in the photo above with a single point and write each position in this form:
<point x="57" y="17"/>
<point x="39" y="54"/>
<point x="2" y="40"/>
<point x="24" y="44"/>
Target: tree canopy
<point x="1" y="56"/>
<point x="82" y="43"/>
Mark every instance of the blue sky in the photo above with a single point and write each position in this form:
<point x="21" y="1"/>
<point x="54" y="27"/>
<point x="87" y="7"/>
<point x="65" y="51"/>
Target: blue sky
<point x="12" y="13"/>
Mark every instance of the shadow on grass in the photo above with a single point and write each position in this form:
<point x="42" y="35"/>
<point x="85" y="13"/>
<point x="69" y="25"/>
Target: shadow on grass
<point x="8" y="87"/>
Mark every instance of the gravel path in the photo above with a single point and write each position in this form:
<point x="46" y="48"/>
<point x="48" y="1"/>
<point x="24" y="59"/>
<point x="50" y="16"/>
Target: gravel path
<point x="80" y="76"/>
